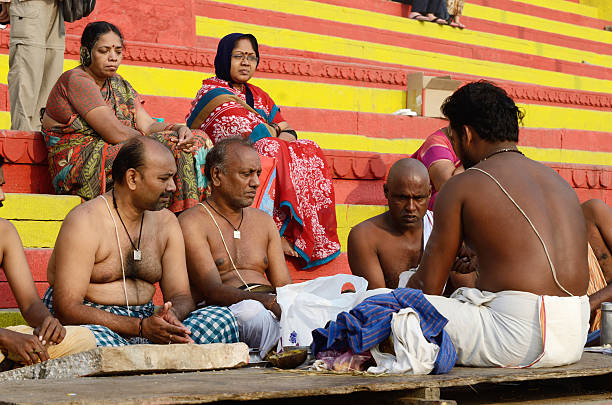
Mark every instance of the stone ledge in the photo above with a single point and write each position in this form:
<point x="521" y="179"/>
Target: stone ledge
<point x="136" y="359"/>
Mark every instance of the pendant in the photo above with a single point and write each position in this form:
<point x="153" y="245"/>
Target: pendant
<point x="236" y="234"/>
<point x="137" y="255"/>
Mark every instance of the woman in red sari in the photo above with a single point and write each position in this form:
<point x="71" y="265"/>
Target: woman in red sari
<point x="92" y="111"/>
<point x="303" y="200"/>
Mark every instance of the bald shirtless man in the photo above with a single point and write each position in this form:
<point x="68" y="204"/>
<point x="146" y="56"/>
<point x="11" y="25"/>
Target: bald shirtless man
<point x="382" y="247"/>
<point x="234" y="253"/>
<point x="533" y="272"/>
<point x="111" y="251"/>
<point x="45" y="338"/>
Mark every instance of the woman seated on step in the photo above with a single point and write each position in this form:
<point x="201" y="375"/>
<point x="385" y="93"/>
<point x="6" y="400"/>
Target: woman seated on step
<point x="92" y="111"/>
<point x="303" y="201"/>
<point x="438" y="156"/>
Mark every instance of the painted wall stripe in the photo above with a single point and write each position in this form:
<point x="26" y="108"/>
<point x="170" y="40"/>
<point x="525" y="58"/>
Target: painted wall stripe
<point x="183" y="83"/>
<point x="565" y="6"/>
<point x="408" y="146"/>
<point x="399" y="24"/>
<point x="537" y="23"/>
<point x="284" y="38"/>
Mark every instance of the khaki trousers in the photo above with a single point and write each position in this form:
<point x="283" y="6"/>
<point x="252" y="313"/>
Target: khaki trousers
<point x="78" y="339"/>
<point x="36" y="56"/>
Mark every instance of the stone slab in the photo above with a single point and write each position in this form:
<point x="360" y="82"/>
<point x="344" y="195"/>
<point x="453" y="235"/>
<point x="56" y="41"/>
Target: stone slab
<point x="136" y="359"/>
<point x="248" y="384"/>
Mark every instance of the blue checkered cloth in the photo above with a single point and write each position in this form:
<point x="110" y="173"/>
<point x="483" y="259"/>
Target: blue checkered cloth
<point x="369" y="324"/>
<point x="208" y="325"/>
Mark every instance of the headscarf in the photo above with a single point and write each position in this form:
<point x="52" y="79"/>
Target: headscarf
<point x="223" y="59"/>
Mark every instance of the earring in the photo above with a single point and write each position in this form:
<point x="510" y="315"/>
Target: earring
<point x="85" y="56"/>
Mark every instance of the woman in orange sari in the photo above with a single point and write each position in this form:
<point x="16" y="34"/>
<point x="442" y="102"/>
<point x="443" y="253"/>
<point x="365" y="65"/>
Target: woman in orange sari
<point x="92" y="111"/>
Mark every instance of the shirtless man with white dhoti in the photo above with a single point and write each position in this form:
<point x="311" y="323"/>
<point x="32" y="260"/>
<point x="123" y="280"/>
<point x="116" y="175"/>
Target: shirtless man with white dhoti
<point x="526" y="226"/>
<point x="234" y="252"/>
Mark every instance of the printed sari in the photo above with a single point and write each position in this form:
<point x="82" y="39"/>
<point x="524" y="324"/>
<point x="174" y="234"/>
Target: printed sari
<point x="302" y="193"/>
<point x="80" y="161"/>
<point x="436" y="147"/>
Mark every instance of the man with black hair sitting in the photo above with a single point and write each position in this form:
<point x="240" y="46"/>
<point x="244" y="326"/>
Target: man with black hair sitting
<point x="111" y="251"/>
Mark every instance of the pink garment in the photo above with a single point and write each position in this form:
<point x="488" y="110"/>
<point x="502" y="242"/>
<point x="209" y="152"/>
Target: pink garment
<point x="436" y="147"/>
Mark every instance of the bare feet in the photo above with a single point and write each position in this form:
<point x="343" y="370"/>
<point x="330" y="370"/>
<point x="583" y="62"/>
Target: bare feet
<point x="287" y="248"/>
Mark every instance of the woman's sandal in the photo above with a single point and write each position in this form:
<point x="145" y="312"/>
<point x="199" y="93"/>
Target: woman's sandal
<point x="417" y="16"/>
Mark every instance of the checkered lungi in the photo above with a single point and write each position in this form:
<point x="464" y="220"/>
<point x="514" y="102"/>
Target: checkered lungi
<point x="208" y="325"/>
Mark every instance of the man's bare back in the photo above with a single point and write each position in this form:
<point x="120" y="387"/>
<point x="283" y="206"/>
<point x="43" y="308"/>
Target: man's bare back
<point x="511" y="256"/>
<point x="472" y="208"/>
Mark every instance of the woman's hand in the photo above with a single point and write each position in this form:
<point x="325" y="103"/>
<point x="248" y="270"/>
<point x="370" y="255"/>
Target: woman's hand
<point x="185" y="139"/>
<point x="286" y="136"/>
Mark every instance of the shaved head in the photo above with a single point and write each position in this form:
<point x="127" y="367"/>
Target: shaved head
<point x="408" y="167"/>
<point x="407" y="190"/>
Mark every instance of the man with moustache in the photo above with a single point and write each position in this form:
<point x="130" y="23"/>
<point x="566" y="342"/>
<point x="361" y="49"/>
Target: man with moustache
<point x="111" y="251"/>
<point x="525" y="224"/>
<point x="382" y="247"/>
<point x="234" y="252"/>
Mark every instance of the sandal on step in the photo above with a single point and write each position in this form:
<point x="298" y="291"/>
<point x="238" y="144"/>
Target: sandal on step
<point x="417" y="16"/>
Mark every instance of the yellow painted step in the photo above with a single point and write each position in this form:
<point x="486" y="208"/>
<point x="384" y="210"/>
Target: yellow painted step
<point x="39" y="231"/>
<point x="364" y="18"/>
<point x="38" y="207"/>
<point x="408" y="146"/>
<point x="565" y="6"/>
<point x="183" y="83"/>
<point x="327" y="44"/>
<point x="37" y="217"/>
<point x="37" y="234"/>
<point x="537" y="23"/>
<point x="11" y="317"/>
<point x="350" y="215"/>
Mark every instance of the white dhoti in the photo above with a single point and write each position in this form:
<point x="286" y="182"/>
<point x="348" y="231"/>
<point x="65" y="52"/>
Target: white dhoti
<point x="514" y="328"/>
<point x="258" y="327"/>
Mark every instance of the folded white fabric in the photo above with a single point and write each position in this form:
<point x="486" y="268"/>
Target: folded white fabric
<point x="413" y="353"/>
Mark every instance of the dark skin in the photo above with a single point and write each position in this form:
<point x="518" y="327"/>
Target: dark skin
<point x="28" y="349"/>
<point x="258" y="254"/>
<point x="471" y="208"/>
<point x="382" y="247"/>
<point x="86" y="264"/>
<point x="598" y="218"/>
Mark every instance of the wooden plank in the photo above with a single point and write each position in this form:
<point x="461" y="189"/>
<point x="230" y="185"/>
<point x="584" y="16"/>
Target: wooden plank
<point x="257" y="384"/>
